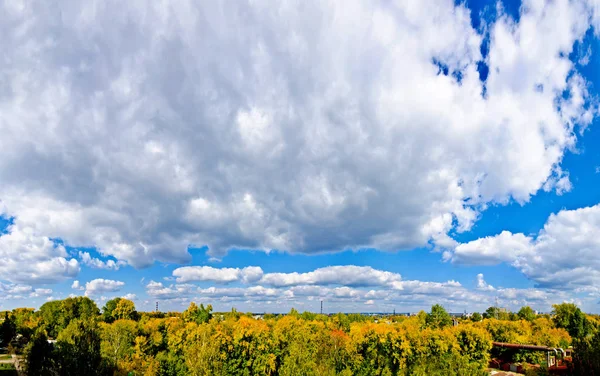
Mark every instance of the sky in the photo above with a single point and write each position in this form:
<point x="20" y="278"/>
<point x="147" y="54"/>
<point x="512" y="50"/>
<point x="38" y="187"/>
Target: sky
<point x="375" y="155"/>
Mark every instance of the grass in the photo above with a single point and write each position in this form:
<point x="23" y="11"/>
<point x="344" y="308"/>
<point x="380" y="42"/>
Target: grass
<point x="7" y="369"/>
<point x="4" y="356"/>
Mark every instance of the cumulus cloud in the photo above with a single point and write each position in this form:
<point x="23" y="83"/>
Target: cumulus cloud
<point x="565" y="254"/>
<point x="30" y="258"/>
<point x="11" y="291"/>
<point x="344" y="287"/>
<point x="174" y="291"/>
<point x="348" y="275"/>
<point x="482" y="284"/>
<point x="349" y="284"/>
<point x="101" y="286"/>
<point x="77" y="286"/>
<point x="492" y="250"/>
<point x="218" y="275"/>
<point x="315" y="126"/>
<point x="93" y="262"/>
<point x="129" y="296"/>
<point x="40" y="292"/>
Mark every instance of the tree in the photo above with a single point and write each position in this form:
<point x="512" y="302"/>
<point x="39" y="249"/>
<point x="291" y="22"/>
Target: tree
<point x="125" y="309"/>
<point x="25" y="321"/>
<point x="197" y="314"/>
<point x="496" y="313"/>
<point x="526" y="313"/>
<point x="50" y="313"/>
<point x="422" y="318"/>
<point x="568" y="316"/>
<point x="39" y="356"/>
<point x="78" y="349"/>
<point x="8" y="329"/>
<point x="108" y="310"/>
<point x="294" y="313"/>
<point x="586" y="358"/>
<point x="118" y="340"/>
<point x="476" y="316"/>
<point x="80" y="307"/>
<point x="438" y="317"/>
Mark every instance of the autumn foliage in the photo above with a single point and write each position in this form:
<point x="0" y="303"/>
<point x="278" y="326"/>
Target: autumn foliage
<point x="121" y="341"/>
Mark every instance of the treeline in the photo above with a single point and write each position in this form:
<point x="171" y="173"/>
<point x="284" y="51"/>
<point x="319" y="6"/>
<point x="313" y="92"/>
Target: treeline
<point x="120" y="341"/>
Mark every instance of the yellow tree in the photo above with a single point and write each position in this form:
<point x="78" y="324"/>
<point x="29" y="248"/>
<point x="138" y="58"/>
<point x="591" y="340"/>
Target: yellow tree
<point x="125" y="309"/>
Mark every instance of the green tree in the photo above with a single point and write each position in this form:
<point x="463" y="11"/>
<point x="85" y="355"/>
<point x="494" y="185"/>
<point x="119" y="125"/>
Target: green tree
<point x="25" y="321"/>
<point x="438" y="317"/>
<point x="526" y="313"/>
<point x="294" y="313"/>
<point x="8" y="329"/>
<point x="108" y="310"/>
<point x="197" y="314"/>
<point x="422" y="318"/>
<point x="39" y="356"/>
<point x="586" y="358"/>
<point x="125" y="309"/>
<point x="78" y="349"/>
<point x="50" y="313"/>
<point x="80" y="307"/>
<point x="118" y="340"/>
<point x="568" y="316"/>
<point x="341" y="321"/>
<point x="476" y="316"/>
<point x="496" y="313"/>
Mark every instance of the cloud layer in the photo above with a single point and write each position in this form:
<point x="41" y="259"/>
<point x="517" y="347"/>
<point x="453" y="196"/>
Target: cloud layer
<point x="348" y="287"/>
<point x="304" y="126"/>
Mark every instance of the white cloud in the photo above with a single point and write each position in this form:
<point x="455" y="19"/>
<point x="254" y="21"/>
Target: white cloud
<point x="482" y="284"/>
<point x="10" y="291"/>
<point x="129" y="296"/>
<point x="492" y="250"/>
<point x="565" y="254"/>
<point x="349" y="275"/>
<point x="159" y="291"/>
<point x="76" y="285"/>
<point x="100" y="286"/>
<point x="33" y="259"/>
<point x="42" y="292"/>
<point x="314" y="127"/>
<point x="219" y="275"/>
<point x="301" y="289"/>
<point x="93" y="262"/>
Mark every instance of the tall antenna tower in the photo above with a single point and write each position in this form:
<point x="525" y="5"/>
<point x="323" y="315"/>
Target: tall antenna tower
<point x="321" y="307"/>
<point x="156" y="306"/>
<point x="497" y="309"/>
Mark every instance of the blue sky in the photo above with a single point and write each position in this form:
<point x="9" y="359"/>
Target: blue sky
<point x="373" y="155"/>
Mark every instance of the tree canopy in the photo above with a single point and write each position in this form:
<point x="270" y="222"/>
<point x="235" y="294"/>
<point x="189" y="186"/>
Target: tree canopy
<point x="438" y="317"/>
<point x="526" y="313"/>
